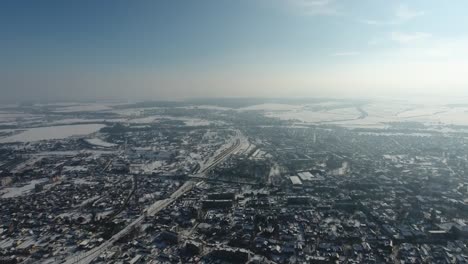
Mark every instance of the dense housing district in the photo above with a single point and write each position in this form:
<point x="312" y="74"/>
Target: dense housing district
<point x="172" y="183"/>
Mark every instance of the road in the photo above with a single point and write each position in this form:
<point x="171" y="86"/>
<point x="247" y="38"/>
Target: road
<point x="89" y="256"/>
<point x="221" y="156"/>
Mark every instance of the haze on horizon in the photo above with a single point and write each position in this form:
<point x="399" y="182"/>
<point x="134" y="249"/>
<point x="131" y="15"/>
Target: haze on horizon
<point x="54" y="50"/>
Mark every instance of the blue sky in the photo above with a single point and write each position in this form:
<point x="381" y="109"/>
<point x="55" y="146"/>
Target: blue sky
<point x="112" y="49"/>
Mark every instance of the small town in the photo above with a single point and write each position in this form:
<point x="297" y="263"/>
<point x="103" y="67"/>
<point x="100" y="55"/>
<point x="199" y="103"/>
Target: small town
<point x="237" y="188"/>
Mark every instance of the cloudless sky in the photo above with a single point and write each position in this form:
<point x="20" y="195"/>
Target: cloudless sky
<point x="165" y="49"/>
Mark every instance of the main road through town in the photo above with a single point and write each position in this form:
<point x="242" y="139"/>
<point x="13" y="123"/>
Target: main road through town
<point x="89" y="256"/>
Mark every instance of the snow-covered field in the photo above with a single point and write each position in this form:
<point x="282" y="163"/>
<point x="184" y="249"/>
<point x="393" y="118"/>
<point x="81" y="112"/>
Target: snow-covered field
<point x="12" y="192"/>
<point x="52" y="132"/>
<point x="152" y="166"/>
<point x="99" y="142"/>
<point x="379" y="113"/>
<point x="317" y="116"/>
<point x="273" y="107"/>
<point x="75" y="169"/>
<point x="83" y="108"/>
<point x="14" y="116"/>
<point x="156" y="118"/>
<point x="195" y="122"/>
<point x="84" y="120"/>
<point x="208" y="107"/>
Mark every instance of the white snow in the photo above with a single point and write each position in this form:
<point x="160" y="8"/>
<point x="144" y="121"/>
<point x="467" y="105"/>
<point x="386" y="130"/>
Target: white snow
<point x="100" y="142"/>
<point x="317" y="116"/>
<point x="208" y="107"/>
<point x="157" y="118"/>
<point x="12" y="192"/>
<point x="12" y="117"/>
<point x="83" y="108"/>
<point x="75" y="169"/>
<point x="84" y="120"/>
<point x="380" y="113"/>
<point x="144" y="120"/>
<point x="272" y="107"/>
<point x="150" y="167"/>
<point x="84" y="182"/>
<point x="52" y="132"/>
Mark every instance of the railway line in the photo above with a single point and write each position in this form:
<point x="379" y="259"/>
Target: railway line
<point x="89" y="256"/>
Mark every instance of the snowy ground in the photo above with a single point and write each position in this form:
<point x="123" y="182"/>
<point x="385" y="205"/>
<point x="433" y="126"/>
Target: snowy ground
<point x="379" y="113"/>
<point x="376" y="114"/>
<point x="53" y="132"/>
<point x="156" y="118"/>
<point x="84" y="120"/>
<point x="83" y="108"/>
<point x="100" y="143"/>
<point x="12" y="192"/>
<point x="75" y="169"/>
<point x="307" y="116"/>
<point x="152" y="166"/>
<point x="208" y="107"/>
<point x="13" y="118"/>
<point x="273" y="107"/>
